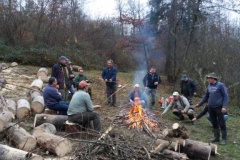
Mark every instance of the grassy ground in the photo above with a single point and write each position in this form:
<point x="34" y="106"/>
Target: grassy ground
<point x="201" y="131"/>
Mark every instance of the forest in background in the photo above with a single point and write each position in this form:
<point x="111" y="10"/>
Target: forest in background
<point x="193" y="37"/>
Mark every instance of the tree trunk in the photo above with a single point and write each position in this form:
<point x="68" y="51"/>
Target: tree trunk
<point x="37" y="105"/>
<point x="5" y="118"/>
<point x="57" y="120"/>
<point x="9" y="153"/>
<point x="12" y="106"/>
<point x="55" y="144"/>
<point x="42" y="72"/>
<point x="35" y="93"/>
<point x="75" y="68"/>
<point x="37" y="84"/>
<point x="73" y="129"/>
<point x="174" y="155"/>
<point x="23" y="108"/>
<point x="163" y="144"/>
<point x="20" y="137"/>
<point x="177" y="131"/>
<point x="18" y="98"/>
<point x="196" y="150"/>
<point x="43" y="128"/>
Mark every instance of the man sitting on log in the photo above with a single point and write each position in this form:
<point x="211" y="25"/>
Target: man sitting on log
<point x="81" y="108"/>
<point x="180" y="106"/>
<point x="52" y="98"/>
<point x="81" y="77"/>
<point x="137" y="93"/>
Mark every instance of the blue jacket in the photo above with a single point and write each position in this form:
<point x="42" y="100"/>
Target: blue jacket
<point x="216" y="95"/>
<point x="149" y="79"/>
<point x="109" y="73"/>
<point x="51" y="96"/>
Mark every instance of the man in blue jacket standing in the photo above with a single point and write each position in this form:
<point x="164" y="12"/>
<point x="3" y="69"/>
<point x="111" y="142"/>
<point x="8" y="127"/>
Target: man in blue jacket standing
<point x="150" y="82"/>
<point x="109" y="75"/>
<point x="217" y="98"/>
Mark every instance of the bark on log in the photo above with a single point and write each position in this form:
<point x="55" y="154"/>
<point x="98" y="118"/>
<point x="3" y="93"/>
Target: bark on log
<point x="18" y="98"/>
<point x="12" y="106"/>
<point x="37" y="105"/>
<point x="23" y="108"/>
<point x="174" y="155"/>
<point x="49" y="111"/>
<point x="163" y="144"/>
<point x="177" y="140"/>
<point x="55" y="144"/>
<point x="213" y="146"/>
<point x="5" y="118"/>
<point x="9" y="153"/>
<point x="56" y="120"/>
<point x="37" y="84"/>
<point x="44" y="128"/>
<point x="195" y="150"/>
<point x="177" y="131"/>
<point x="20" y="137"/>
<point x="35" y="93"/>
<point x="76" y="68"/>
<point x="42" y="72"/>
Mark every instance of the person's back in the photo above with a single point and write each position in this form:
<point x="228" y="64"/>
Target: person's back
<point x="51" y="95"/>
<point x="80" y="103"/>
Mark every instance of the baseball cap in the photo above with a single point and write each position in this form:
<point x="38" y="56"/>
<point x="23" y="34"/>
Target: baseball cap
<point x="63" y="58"/>
<point x="175" y="94"/>
<point x="83" y="84"/>
<point x="136" y="85"/>
<point x="184" y="76"/>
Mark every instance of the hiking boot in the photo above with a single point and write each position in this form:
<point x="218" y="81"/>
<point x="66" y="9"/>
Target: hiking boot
<point x="216" y="134"/>
<point x="224" y="138"/>
<point x="181" y="118"/>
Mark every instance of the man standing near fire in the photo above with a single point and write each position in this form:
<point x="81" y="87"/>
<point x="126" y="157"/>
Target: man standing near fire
<point x="109" y="75"/>
<point x="217" y="98"/>
<point x="150" y="82"/>
<point x="188" y="88"/>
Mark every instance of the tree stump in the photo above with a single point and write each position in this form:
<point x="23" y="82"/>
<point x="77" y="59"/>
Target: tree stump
<point x="42" y="72"/>
<point x="20" y="137"/>
<point x="37" y="105"/>
<point x="55" y="144"/>
<point x="37" y="84"/>
<point x="196" y="150"/>
<point x="43" y="128"/>
<point x="9" y="153"/>
<point x="23" y="108"/>
<point x="73" y="129"/>
<point x="12" y="106"/>
<point x="5" y="118"/>
<point x="57" y="120"/>
<point x="49" y="111"/>
<point x="35" y="93"/>
<point x="14" y="64"/>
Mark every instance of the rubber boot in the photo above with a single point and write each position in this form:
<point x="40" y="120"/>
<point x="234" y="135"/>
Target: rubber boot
<point x="224" y="138"/>
<point x="216" y="133"/>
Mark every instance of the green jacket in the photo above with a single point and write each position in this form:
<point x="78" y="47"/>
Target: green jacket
<point x="78" y="79"/>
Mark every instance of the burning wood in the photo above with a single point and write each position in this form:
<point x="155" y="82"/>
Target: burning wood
<point x="137" y="118"/>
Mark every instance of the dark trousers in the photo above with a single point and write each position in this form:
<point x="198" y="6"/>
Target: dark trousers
<point x="189" y="98"/>
<point x="85" y="118"/>
<point x="180" y="115"/>
<point x="61" y="107"/>
<point x="111" y="95"/>
<point x="217" y="117"/>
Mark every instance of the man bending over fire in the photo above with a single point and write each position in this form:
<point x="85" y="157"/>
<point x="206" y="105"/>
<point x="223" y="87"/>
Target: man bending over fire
<point x="180" y="106"/>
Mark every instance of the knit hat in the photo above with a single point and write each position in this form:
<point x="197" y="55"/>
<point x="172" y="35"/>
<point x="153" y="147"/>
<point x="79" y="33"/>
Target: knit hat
<point x="212" y="75"/>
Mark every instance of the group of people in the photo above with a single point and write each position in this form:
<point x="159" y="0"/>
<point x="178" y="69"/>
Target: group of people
<point x="80" y="109"/>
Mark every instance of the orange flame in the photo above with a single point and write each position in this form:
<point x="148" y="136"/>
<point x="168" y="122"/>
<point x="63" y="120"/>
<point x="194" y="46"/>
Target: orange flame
<point x="138" y="118"/>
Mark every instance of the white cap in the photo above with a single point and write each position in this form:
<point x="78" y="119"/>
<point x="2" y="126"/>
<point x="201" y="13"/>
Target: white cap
<point x="175" y="94"/>
<point x="136" y="85"/>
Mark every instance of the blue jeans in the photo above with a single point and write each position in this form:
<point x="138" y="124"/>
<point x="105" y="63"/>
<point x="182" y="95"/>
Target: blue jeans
<point x="71" y="89"/>
<point x="153" y="94"/>
<point x="61" y="107"/>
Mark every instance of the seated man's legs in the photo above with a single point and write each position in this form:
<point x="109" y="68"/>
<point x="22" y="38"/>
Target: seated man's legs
<point x="85" y="118"/>
<point x="61" y="106"/>
<point x="190" y="113"/>
<point x="178" y="114"/>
